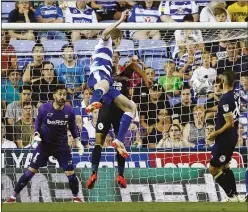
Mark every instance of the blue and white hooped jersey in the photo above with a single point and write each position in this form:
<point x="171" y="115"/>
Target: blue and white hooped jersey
<point x="178" y="9"/>
<point x="102" y="57"/>
<point x="202" y="3"/>
<point x="49" y="12"/>
<point x="108" y="5"/>
<point x="74" y="15"/>
<point x="197" y="61"/>
<point x="140" y="15"/>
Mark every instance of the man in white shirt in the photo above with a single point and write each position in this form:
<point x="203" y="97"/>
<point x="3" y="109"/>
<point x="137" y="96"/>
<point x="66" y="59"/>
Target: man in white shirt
<point x="204" y="76"/>
<point x="81" y="13"/>
<point x="4" y="142"/>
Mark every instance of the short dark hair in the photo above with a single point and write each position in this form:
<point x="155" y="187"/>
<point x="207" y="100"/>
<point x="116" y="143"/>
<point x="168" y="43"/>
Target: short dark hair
<point x="67" y="46"/>
<point x="174" y="125"/>
<point x="12" y="70"/>
<point x="26" y="104"/>
<point x="37" y="45"/>
<point x="47" y="63"/>
<point x="60" y="87"/>
<point x="230" y="76"/>
<point x="188" y="18"/>
<point x="24" y="87"/>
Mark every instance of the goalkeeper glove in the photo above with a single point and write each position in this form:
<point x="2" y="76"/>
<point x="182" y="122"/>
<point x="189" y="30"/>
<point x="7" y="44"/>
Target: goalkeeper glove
<point x="79" y="146"/>
<point x="36" y="140"/>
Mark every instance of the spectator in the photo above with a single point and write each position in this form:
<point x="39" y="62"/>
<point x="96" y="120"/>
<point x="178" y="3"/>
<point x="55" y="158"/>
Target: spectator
<point x="155" y="131"/>
<point x="182" y="112"/>
<point x="238" y="11"/>
<point x="204" y="74"/>
<point x="33" y="71"/>
<point x="44" y="87"/>
<point x="172" y="139"/>
<point x="243" y="89"/>
<point x="133" y="136"/>
<point x="10" y="89"/>
<point x="194" y="132"/>
<point x="241" y="141"/>
<point x="144" y="12"/>
<point x="22" y="14"/>
<point x="24" y="128"/>
<point x="81" y="13"/>
<point x="190" y="61"/>
<point x="6" y="144"/>
<point x="201" y="4"/>
<point x="210" y="128"/>
<point x="69" y="72"/>
<point x="8" y="61"/>
<point x="182" y="36"/>
<point x="151" y="105"/>
<point x="106" y="10"/>
<point x="49" y="13"/>
<point x="14" y="110"/>
<point x="207" y="13"/>
<point x="220" y="14"/>
<point x="171" y="83"/>
<point x="174" y="11"/>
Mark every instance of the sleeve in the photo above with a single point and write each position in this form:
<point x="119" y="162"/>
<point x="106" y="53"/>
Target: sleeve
<point x="164" y="8"/>
<point x="68" y="17"/>
<point x="204" y="15"/>
<point x="72" y="125"/>
<point x="59" y="13"/>
<point x="38" y="120"/>
<point x="94" y="18"/>
<point x="3" y="92"/>
<point x="226" y="107"/>
<point x="11" y="17"/>
<point x="81" y="75"/>
<point x="84" y="136"/>
<point x="131" y="17"/>
<point x="37" y="13"/>
<point x="194" y="76"/>
<point x="178" y="36"/>
<point x="9" y="112"/>
<point x="32" y="16"/>
<point x="194" y="7"/>
<point x="18" y="131"/>
<point x="182" y="62"/>
<point x="230" y="11"/>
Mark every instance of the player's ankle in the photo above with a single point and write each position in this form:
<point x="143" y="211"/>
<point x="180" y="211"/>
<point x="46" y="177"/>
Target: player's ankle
<point x="13" y="197"/>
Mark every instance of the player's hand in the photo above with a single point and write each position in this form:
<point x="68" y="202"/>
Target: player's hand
<point x="79" y="146"/>
<point x="212" y="136"/>
<point x="124" y="15"/>
<point x="36" y="140"/>
<point x="148" y="83"/>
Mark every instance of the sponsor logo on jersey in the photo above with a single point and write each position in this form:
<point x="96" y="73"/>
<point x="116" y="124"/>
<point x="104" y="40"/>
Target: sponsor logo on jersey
<point x="57" y="122"/>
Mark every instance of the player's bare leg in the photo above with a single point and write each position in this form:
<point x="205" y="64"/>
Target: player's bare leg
<point x="100" y="88"/>
<point x="73" y="183"/>
<point x="129" y="109"/>
<point x="22" y="182"/>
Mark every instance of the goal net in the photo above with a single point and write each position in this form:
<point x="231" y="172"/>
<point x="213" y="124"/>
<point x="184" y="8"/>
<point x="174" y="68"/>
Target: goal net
<point x="167" y="142"/>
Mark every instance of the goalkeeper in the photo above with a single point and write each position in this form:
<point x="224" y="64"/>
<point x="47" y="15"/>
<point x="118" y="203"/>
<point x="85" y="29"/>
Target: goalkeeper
<point x="111" y="114"/>
<point x="50" y="139"/>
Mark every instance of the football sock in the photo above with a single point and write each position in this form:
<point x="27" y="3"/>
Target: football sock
<point x="246" y="180"/>
<point x="97" y="95"/>
<point x="231" y="180"/>
<point x="221" y="179"/>
<point x="121" y="163"/>
<point x="23" y="181"/>
<point x="73" y="183"/>
<point x="125" y="122"/>
<point x="96" y="156"/>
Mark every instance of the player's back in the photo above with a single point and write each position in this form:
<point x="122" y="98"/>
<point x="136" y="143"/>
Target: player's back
<point x="102" y="57"/>
<point x="229" y="105"/>
<point x="54" y="124"/>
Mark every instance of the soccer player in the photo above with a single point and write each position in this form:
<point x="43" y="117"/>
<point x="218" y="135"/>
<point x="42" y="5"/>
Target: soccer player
<point x="226" y="136"/>
<point x="113" y="115"/>
<point x="101" y="82"/>
<point x="50" y="139"/>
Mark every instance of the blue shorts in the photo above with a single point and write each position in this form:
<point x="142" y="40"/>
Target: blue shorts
<point x="43" y="152"/>
<point x="96" y="77"/>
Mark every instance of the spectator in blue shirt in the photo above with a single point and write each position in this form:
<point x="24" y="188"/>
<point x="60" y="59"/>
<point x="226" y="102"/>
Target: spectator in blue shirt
<point x="69" y="73"/>
<point x="10" y="90"/>
<point x="50" y="14"/>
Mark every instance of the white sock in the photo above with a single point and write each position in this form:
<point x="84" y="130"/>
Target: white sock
<point x="12" y="197"/>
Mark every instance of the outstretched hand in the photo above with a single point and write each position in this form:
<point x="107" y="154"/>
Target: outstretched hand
<point x="124" y="15"/>
<point x="148" y="83"/>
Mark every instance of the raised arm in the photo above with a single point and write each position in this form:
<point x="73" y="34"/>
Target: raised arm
<point x="107" y="31"/>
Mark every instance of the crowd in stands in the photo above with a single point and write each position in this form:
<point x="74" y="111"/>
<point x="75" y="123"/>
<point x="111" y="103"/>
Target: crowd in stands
<point x="169" y="115"/>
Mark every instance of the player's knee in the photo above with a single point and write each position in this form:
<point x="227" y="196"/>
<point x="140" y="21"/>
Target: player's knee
<point x="213" y="170"/>
<point x="100" y="138"/>
<point x="103" y="85"/>
<point x="32" y="170"/>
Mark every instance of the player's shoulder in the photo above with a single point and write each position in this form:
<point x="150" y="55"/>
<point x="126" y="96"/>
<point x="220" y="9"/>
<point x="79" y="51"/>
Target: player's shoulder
<point x="228" y="97"/>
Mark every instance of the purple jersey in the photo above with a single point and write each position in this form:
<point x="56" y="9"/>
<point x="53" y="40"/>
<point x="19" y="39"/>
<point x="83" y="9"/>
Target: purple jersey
<point x="52" y="124"/>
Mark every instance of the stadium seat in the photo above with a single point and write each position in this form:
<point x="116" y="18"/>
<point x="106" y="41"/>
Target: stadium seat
<point x="85" y="63"/>
<point x="55" y="60"/>
<point x="7" y="7"/>
<point x="126" y="48"/>
<point x="53" y="45"/>
<point x="157" y="64"/>
<point x="23" y="61"/>
<point x="22" y="45"/>
<point x="201" y="101"/>
<point x="85" y="47"/>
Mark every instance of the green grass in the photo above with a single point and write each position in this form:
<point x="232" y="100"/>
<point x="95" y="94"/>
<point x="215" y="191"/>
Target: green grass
<point x="125" y="207"/>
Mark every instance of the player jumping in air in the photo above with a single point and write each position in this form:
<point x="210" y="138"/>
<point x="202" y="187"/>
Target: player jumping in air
<point x="100" y="80"/>
<point x="226" y="137"/>
<point x="112" y="115"/>
<point x="50" y="139"/>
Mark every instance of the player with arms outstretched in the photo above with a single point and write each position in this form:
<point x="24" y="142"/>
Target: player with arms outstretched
<point x="226" y="136"/>
<point x="51" y="140"/>
<point x="112" y="115"/>
<point x="100" y="80"/>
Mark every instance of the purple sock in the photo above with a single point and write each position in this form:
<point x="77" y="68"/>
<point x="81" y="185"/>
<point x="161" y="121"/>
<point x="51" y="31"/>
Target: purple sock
<point x="124" y="125"/>
<point x="73" y="183"/>
<point x="96" y="96"/>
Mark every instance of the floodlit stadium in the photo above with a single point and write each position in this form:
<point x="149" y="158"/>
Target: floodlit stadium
<point x="124" y="105"/>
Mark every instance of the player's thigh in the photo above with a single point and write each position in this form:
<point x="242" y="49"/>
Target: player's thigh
<point x="125" y="104"/>
<point x="64" y="159"/>
<point x="99" y="79"/>
<point x="116" y="117"/>
<point x="40" y="157"/>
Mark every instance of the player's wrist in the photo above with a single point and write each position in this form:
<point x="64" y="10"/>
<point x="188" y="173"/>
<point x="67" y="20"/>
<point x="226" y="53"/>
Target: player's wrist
<point x="36" y="134"/>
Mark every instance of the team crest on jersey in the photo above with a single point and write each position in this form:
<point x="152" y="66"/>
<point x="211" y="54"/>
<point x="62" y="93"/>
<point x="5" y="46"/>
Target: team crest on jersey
<point x="66" y="116"/>
<point x="49" y="114"/>
<point x="226" y="108"/>
<point x="222" y="158"/>
<point x="100" y="126"/>
<point x="148" y="19"/>
<point x="75" y="11"/>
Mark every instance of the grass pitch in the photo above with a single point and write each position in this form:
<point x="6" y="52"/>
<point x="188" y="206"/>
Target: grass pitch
<point x="125" y="207"/>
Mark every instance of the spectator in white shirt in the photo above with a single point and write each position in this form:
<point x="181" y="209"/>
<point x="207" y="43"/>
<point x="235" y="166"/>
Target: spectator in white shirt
<point x="4" y="142"/>
<point x="81" y="13"/>
<point x="207" y="13"/>
<point x="174" y="11"/>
